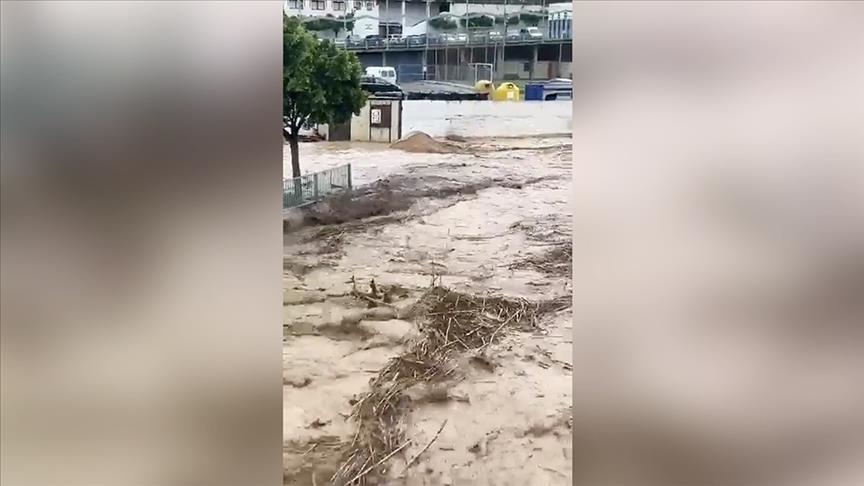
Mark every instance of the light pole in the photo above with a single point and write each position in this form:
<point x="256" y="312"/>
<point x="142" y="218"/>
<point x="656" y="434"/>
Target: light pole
<point x="500" y="66"/>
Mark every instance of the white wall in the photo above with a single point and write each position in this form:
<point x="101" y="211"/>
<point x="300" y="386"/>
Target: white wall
<point x="360" y="123"/>
<point x="486" y="118"/>
<point x="364" y="26"/>
<point x="566" y="69"/>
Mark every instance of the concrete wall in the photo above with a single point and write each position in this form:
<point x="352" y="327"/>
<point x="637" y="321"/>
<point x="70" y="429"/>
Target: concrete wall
<point x="515" y="70"/>
<point x="414" y="13"/>
<point x="487" y="118"/>
<point x="566" y="70"/>
<point x="365" y="25"/>
<point x="360" y="124"/>
<point x="362" y="131"/>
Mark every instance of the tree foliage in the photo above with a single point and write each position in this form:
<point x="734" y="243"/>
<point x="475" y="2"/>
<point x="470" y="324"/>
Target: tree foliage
<point x="324" y="23"/>
<point x="443" y="23"/>
<point x="531" y="18"/>
<point x="479" y="21"/>
<point x="321" y="83"/>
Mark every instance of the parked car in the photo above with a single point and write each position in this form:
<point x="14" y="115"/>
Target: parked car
<point x="478" y="37"/>
<point x="396" y="40"/>
<point x="531" y="33"/>
<point x="374" y="40"/>
<point x="447" y="38"/>
<point x="417" y="40"/>
<point x="495" y="36"/>
<point x="461" y="38"/>
<point x="385" y="72"/>
<point x="376" y="85"/>
<point x="514" y="36"/>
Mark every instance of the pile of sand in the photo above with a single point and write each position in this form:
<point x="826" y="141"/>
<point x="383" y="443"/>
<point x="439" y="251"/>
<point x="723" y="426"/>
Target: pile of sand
<point x="419" y="142"/>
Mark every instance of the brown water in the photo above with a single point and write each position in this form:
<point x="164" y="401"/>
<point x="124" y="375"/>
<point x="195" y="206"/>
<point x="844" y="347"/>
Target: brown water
<point x="511" y="424"/>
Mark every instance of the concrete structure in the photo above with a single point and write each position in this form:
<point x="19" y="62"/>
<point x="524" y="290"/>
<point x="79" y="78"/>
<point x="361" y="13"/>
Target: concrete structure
<point x="380" y="120"/>
<point x="384" y="121"/>
<point x="363" y="14"/>
<point x="541" y="60"/>
<point x="519" y="59"/>
<point x="410" y="17"/>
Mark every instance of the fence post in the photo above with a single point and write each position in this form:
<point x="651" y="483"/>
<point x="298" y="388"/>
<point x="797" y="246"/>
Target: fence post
<point x="349" y="176"/>
<point x="315" y="183"/>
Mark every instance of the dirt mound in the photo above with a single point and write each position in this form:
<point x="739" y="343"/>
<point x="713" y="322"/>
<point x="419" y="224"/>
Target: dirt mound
<point x="419" y="142"/>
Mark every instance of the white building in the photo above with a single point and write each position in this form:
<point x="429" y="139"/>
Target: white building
<point x="405" y="17"/>
<point x="363" y="14"/>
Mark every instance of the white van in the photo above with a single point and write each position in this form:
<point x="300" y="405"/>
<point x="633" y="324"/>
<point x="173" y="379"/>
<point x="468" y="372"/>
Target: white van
<point x="385" y="72"/>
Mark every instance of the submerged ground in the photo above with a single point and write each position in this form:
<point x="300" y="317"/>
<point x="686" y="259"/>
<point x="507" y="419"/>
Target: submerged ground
<point x="489" y="219"/>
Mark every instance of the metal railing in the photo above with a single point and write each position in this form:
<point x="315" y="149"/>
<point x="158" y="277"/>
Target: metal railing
<point x="309" y="188"/>
<point x="470" y="73"/>
<point x="451" y="40"/>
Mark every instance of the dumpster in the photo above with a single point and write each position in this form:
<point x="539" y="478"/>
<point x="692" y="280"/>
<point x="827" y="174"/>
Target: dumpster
<point x="506" y="92"/>
<point x="484" y="86"/>
<point x="534" y="92"/>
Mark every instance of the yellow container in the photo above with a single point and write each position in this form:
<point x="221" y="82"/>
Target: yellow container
<point x="506" y="92"/>
<point x="484" y="86"/>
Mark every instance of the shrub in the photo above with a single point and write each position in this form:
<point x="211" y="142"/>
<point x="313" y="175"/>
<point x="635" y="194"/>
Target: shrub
<point x="479" y="21"/>
<point x="443" y="23"/>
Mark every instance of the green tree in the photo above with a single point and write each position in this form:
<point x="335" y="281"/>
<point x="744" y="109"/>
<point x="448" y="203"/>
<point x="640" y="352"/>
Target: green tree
<point x="321" y="84"/>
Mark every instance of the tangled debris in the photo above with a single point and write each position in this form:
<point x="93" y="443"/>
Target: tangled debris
<point x="385" y="201"/>
<point x="453" y="322"/>
<point x="558" y="260"/>
<point x="303" y="461"/>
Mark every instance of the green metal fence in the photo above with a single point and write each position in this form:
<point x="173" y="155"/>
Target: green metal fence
<point x="312" y="187"/>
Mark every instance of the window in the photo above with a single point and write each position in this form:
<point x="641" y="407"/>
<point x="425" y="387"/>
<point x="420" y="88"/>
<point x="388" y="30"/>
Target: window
<point x="295" y="4"/>
<point x="318" y="4"/>
<point x="368" y="5"/>
<point x="444" y="7"/>
<point x="358" y="5"/>
<point x="338" y="5"/>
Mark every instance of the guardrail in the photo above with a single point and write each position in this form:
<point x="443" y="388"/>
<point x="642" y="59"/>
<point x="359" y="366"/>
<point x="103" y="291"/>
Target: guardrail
<point x="422" y="42"/>
<point x="309" y="188"/>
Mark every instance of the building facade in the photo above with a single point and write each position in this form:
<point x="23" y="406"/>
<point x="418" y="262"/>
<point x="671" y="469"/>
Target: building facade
<point x="412" y="17"/>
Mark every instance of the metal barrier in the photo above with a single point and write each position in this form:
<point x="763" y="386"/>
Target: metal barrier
<point x="459" y="39"/>
<point x="309" y="188"/>
<point x="465" y="73"/>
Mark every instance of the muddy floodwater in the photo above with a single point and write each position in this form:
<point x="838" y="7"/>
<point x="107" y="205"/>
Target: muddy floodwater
<point x="490" y="219"/>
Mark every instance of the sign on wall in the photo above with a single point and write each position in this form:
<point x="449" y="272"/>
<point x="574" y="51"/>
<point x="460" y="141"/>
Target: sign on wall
<point x="379" y="114"/>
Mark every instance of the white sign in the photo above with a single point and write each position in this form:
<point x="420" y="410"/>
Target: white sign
<point x="376" y="116"/>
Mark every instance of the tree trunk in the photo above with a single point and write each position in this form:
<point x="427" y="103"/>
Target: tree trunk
<point x="294" y="141"/>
